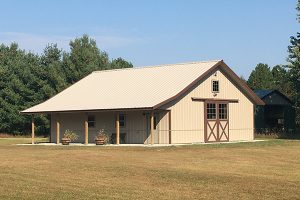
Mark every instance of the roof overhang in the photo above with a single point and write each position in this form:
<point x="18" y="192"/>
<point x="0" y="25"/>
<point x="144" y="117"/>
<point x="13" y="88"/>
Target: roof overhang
<point x="91" y="110"/>
<point x="224" y="68"/>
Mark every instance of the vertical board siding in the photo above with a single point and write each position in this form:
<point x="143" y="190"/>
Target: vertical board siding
<point x="163" y="128"/>
<point x="188" y="116"/>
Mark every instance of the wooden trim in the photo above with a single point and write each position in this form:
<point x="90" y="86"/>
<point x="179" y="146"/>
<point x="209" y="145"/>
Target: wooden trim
<point x="118" y="129"/>
<point x="253" y="128"/>
<point x="224" y="68"/>
<point x="50" y="136"/>
<point x="86" y="130"/>
<point x="243" y="85"/>
<point x="189" y="86"/>
<point x="170" y="127"/>
<point x="57" y="131"/>
<point x="215" y="100"/>
<point x="32" y="129"/>
<point x="217" y="123"/>
<point x="157" y="127"/>
<point x="91" y="111"/>
<point x="205" y="121"/>
<point x="152" y="127"/>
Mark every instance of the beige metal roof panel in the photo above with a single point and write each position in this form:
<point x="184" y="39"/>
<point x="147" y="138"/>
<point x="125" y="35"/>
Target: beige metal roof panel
<point x="125" y="88"/>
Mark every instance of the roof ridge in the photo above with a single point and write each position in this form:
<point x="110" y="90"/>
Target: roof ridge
<point x="155" y="66"/>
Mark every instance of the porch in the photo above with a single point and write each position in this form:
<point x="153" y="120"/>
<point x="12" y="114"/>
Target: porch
<point x="123" y="127"/>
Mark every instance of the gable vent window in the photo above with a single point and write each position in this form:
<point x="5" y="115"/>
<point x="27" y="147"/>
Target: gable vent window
<point x="215" y="86"/>
<point x="91" y="121"/>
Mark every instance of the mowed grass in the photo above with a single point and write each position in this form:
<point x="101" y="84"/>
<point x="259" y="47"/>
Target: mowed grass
<point x="262" y="170"/>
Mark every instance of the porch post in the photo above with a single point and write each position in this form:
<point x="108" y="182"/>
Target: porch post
<point x="152" y="127"/>
<point x="170" y="128"/>
<point x="57" y="131"/>
<point x="86" y="130"/>
<point x="118" y="129"/>
<point x="32" y="129"/>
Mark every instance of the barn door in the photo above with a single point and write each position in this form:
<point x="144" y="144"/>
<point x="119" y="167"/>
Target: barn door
<point x="216" y="123"/>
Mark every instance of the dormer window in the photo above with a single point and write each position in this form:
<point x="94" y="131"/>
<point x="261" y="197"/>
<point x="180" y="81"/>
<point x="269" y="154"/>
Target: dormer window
<point x="215" y="86"/>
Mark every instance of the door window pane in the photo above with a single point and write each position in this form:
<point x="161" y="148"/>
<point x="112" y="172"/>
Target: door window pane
<point x="222" y="111"/>
<point x="211" y="110"/>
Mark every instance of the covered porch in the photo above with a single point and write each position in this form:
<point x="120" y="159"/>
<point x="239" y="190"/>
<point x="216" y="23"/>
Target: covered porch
<point x="122" y="126"/>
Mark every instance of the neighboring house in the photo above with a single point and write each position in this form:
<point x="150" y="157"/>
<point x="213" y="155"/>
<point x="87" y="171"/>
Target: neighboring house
<point x="277" y="114"/>
<point x="179" y="103"/>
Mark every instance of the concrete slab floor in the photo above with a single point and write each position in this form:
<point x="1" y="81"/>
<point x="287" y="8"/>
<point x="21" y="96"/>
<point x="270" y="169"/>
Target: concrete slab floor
<point x="136" y="145"/>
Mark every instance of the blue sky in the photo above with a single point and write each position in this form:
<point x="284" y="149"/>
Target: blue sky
<point x="242" y="33"/>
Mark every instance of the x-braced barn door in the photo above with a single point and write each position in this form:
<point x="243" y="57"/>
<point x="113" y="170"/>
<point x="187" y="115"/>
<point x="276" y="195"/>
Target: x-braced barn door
<point x="216" y="123"/>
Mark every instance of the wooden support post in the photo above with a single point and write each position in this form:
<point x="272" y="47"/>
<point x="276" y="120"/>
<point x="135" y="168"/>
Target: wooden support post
<point x="118" y="129"/>
<point x="57" y="132"/>
<point x="152" y="127"/>
<point x="32" y="129"/>
<point x="170" y="128"/>
<point x="86" y="131"/>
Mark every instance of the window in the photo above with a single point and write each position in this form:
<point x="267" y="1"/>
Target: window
<point x="211" y="110"/>
<point x="215" y="86"/>
<point x="91" y="121"/>
<point x="122" y="120"/>
<point x="222" y="111"/>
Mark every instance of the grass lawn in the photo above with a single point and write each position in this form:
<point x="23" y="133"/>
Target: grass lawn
<point x="262" y="170"/>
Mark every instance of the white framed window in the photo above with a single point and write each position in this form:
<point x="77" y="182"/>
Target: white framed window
<point x="215" y="86"/>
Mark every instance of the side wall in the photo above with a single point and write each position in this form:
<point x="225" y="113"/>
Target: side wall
<point x="187" y="119"/>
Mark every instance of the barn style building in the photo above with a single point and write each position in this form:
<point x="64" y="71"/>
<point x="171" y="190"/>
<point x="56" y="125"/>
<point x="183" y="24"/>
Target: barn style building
<point x="168" y="104"/>
<point x="277" y="115"/>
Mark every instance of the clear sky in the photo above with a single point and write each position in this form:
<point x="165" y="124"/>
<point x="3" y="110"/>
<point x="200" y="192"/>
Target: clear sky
<point x="242" y="33"/>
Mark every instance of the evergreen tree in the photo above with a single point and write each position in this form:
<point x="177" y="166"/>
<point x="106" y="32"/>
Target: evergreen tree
<point x="28" y="79"/>
<point x="261" y="77"/>
<point x="120" y="63"/>
<point x="294" y="66"/>
<point x="84" y="58"/>
<point x="282" y="82"/>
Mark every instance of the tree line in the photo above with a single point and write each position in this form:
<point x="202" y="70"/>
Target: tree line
<point x="27" y="79"/>
<point x="285" y="78"/>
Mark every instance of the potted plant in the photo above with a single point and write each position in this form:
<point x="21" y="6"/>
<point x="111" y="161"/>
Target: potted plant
<point x="102" y="138"/>
<point x="69" y="136"/>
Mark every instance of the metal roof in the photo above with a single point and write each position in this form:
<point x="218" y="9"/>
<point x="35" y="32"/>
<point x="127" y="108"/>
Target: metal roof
<point x="125" y="88"/>
<point x="262" y="93"/>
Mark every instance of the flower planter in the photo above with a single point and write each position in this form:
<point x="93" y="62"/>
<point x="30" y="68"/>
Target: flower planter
<point x="100" y="141"/>
<point x="65" y="141"/>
